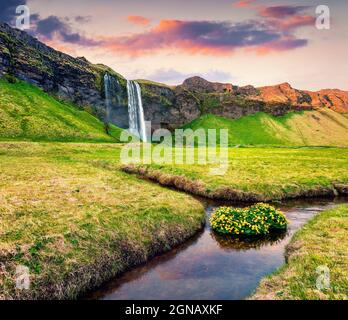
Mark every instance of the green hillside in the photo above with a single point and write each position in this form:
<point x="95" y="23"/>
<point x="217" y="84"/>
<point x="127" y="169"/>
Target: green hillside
<point x="307" y="128"/>
<point x="27" y="113"/>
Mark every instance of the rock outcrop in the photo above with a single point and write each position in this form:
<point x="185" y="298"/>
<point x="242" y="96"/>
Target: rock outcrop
<point x="198" y="84"/>
<point x="169" y="107"/>
<point x="334" y="99"/>
<point x="68" y="78"/>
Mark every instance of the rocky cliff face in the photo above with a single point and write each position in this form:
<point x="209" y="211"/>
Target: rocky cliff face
<point x="169" y="107"/>
<point x="73" y="79"/>
<point x="81" y="82"/>
<point x="276" y="99"/>
<point x="198" y="84"/>
<point x="334" y="99"/>
<point x="174" y="106"/>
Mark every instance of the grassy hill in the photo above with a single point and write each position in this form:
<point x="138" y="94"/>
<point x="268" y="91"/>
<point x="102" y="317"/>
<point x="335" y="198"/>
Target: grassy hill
<point x="308" y="128"/>
<point x="27" y="113"/>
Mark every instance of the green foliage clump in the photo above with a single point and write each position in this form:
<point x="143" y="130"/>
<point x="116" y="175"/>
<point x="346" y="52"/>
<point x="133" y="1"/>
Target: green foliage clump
<point x="210" y="101"/>
<point x="257" y="220"/>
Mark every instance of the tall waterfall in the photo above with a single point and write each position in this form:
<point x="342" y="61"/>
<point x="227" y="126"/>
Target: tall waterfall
<point x="108" y="96"/>
<point x="136" y="111"/>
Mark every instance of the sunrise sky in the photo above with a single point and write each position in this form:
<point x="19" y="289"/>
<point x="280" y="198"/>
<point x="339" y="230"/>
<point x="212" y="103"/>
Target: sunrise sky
<point x="242" y="42"/>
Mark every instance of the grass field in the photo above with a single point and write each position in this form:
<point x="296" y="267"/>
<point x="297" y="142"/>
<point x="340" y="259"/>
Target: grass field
<point x="75" y="220"/>
<point x="307" y="128"/>
<point x="258" y="174"/>
<point x="27" y="113"/>
<point x="322" y="242"/>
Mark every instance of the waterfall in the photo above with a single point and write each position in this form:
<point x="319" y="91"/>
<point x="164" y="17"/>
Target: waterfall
<point x="108" y="96"/>
<point x="135" y="105"/>
<point x="135" y="110"/>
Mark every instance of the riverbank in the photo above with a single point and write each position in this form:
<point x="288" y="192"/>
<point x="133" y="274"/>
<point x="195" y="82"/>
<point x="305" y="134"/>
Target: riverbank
<point x="258" y="175"/>
<point x="70" y="216"/>
<point x="210" y="266"/>
<point x="316" y="256"/>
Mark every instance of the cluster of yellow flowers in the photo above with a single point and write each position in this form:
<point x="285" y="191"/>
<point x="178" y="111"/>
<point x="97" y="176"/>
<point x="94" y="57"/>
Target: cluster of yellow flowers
<point x="259" y="219"/>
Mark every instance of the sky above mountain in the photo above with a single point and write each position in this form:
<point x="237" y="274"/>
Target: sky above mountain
<point x="239" y="41"/>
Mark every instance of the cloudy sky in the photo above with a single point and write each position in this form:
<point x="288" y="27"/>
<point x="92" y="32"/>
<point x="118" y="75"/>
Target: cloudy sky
<point x="238" y="41"/>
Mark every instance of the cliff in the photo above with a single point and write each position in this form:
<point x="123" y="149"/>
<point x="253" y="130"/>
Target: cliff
<point x="68" y="78"/>
<point x="334" y="99"/>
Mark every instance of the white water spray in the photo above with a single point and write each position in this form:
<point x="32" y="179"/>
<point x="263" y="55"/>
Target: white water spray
<point x="136" y="111"/>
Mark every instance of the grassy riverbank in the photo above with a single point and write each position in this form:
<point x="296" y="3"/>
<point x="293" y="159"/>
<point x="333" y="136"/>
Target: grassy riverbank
<point x="75" y="220"/>
<point x="259" y="174"/>
<point x="322" y="242"/>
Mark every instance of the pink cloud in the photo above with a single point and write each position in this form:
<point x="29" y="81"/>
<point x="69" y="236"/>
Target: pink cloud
<point x="243" y="3"/>
<point x="286" y="17"/>
<point x="273" y="31"/>
<point x="139" y="20"/>
<point x="280" y="12"/>
<point x="206" y="38"/>
<point x="284" y="44"/>
<point x="296" y="22"/>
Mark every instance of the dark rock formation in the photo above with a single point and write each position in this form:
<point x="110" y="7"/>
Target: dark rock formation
<point x="198" y="84"/>
<point x="169" y="107"/>
<point x="73" y="79"/>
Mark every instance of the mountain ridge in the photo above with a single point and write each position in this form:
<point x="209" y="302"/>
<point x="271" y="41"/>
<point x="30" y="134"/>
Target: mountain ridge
<point x="282" y="92"/>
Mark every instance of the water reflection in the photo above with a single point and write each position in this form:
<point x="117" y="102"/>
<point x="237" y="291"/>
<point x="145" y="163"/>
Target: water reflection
<point x="212" y="266"/>
<point x="243" y="244"/>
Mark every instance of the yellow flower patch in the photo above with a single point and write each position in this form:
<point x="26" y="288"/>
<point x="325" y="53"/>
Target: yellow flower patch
<point x="259" y="219"/>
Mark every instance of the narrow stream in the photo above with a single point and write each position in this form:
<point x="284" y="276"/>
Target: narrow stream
<point x="211" y="266"/>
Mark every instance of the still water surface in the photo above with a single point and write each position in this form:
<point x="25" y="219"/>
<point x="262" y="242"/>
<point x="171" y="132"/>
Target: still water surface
<point x="211" y="266"/>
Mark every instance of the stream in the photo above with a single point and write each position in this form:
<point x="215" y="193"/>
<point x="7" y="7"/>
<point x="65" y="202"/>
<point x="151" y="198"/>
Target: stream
<point x="212" y="267"/>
